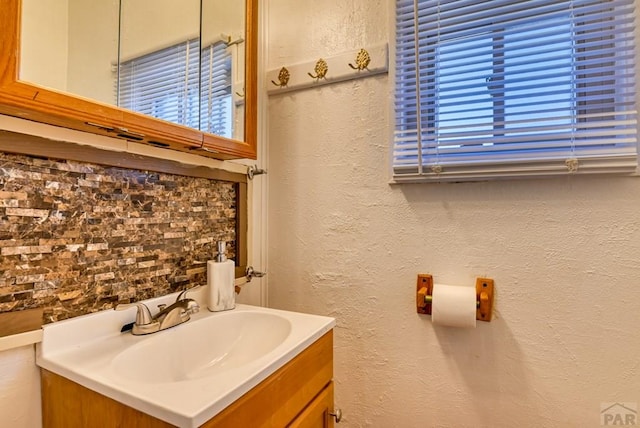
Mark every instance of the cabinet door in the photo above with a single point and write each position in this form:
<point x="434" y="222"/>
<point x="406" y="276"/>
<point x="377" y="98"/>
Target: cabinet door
<point x="316" y="414"/>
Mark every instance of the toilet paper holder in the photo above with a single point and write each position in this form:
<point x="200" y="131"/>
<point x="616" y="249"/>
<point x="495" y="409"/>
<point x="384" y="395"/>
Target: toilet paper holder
<point x="484" y="296"/>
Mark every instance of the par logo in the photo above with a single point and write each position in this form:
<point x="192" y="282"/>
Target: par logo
<point x="619" y="414"/>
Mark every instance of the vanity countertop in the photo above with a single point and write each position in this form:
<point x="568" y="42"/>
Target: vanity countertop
<point x="21" y="339"/>
<point x="184" y="375"/>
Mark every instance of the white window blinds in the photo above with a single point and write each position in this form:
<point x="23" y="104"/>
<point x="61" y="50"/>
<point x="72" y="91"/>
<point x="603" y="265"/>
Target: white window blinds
<point x="182" y="85"/>
<point x="216" y="98"/>
<point x="507" y="88"/>
<point x="164" y="84"/>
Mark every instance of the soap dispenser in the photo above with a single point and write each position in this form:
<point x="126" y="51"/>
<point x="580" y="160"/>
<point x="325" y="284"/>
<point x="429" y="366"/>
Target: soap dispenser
<point x="221" y="281"/>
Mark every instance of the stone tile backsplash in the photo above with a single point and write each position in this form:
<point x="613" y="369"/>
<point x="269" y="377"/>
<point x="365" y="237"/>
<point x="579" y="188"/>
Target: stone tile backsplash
<point x="76" y="237"/>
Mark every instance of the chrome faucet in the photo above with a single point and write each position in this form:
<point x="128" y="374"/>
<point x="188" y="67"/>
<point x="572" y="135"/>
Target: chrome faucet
<point x="169" y="316"/>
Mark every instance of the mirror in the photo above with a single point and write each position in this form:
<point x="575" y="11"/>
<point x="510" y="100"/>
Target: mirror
<point x="175" y="60"/>
<point x="222" y="71"/>
<point x="128" y="67"/>
<point x="70" y="46"/>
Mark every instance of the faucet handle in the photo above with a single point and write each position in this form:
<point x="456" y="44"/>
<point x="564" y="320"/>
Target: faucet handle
<point x="192" y="307"/>
<point x="183" y="293"/>
<point x="143" y="316"/>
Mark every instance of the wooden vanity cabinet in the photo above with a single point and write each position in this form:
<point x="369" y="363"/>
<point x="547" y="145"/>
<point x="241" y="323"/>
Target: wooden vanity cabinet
<point x="298" y="395"/>
<point x="317" y="413"/>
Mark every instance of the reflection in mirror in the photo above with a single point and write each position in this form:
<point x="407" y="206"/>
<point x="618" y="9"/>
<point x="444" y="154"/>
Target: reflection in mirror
<point x="70" y="46"/>
<point x="169" y="72"/>
<point x="143" y="55"/>
<point x="159" y="59"/>
<point x="223" y="66"/>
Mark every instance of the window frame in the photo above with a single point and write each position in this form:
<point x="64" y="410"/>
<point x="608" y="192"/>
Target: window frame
<point x="513" y="169"/>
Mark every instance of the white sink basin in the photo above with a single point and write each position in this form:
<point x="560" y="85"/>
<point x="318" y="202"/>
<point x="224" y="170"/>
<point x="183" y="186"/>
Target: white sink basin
<point x="184" y="375"/>
<point x="205" y="348"/>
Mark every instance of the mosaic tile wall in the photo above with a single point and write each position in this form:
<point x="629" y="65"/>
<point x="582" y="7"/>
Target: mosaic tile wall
<point x="77" y="238"/>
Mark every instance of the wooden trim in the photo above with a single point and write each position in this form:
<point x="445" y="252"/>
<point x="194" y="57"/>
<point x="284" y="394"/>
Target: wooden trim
<point x="275" y="402"/>
<point x="41" y="104"/>
<point x="251" y="77"/>
<point x="13" y="142"/>
<point x="242" y="229"/>
<point x="20" y="321"/>
<point x="10" y="20"/>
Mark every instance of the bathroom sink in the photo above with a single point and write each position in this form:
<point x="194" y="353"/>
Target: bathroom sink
<point x="203" y="348"/>
<point x="184" y="375"/>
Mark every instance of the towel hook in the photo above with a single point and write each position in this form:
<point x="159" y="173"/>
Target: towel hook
<point x="320" y="69"/>
<point x="363" y="59"/>
<point x="283" y="78"/>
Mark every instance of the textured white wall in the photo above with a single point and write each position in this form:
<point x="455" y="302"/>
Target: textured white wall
<point x="19" y="388"/>
<point x="343" y="242"/>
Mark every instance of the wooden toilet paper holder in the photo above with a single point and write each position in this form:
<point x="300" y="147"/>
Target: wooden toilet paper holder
<point x="484" y="296"/>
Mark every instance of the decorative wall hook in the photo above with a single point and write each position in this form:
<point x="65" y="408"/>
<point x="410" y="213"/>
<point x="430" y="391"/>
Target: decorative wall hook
<point x="320" y="69"/>
<point x="363" y="59"/>
<point x="283" y="77"/>
<point x="317" y="72"/>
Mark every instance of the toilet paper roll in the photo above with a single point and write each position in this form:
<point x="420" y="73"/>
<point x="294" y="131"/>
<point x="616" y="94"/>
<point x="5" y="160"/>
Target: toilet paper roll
<point x="453" y="305"/>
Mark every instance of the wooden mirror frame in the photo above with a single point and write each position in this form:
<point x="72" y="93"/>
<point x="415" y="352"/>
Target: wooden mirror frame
<point x="33" y="102"/>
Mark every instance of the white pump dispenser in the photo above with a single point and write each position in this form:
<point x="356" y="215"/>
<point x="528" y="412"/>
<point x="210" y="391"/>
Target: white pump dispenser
<point x="221" y="281"/>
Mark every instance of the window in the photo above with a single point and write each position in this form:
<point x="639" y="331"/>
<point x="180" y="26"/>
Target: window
<point x="513" y="88"/>
<point x="180" y="84"/>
